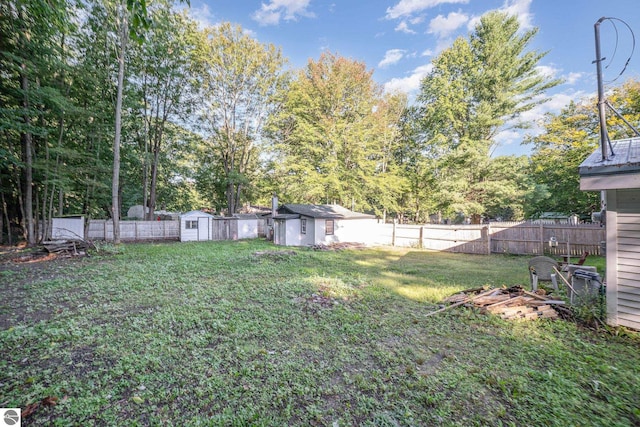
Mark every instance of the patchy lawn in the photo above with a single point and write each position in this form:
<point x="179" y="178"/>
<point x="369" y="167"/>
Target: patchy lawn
<point x="211" y="334"/>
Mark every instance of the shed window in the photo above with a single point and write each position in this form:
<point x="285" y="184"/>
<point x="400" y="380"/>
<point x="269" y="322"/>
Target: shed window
<point x="328" y="226"/>
<point x="192" y="224"/>
<point x="303" y="226"/>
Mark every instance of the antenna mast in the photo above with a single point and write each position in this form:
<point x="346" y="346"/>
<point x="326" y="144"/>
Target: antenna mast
<point x="604" y="136"/>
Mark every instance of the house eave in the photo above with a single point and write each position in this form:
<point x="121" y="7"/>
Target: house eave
<point x="611" y="181"/>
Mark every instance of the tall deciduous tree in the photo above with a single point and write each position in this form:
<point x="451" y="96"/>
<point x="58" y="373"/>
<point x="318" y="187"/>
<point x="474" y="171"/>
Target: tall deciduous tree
<point x="335" y="137"/>
<point x="163" y="77"/>
<point x="30" y="44"/>
<point x="477" y="88"/>
<point x="240" y="78"/>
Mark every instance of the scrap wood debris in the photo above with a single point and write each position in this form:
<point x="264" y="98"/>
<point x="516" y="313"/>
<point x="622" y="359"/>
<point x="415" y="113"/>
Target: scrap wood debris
<point x="72" y="247"/>
<point x="337" y="246"/>
<point x="508" y="303"/>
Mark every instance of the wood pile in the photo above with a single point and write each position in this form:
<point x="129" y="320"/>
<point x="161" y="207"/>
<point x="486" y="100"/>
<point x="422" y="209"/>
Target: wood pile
<point x="67" y="247"/>
<point x="510" y="303"/>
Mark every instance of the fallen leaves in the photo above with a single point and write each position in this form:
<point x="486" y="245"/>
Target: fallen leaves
<point x="33" y="407"/>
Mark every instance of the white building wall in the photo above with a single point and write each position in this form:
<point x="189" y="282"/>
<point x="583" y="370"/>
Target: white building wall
<point x="321" y="237"/>
<point x="294" y="238"/>
<point x="67" y="228"/>
<point x="247" y="228"/>
<point x="365" y="231"/>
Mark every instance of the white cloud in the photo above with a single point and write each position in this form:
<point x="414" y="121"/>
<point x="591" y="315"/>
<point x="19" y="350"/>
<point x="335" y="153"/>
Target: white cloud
<point x="572" y="78"/>
<point x="202" y="15"/>
<point x="409" y="7"/>
<point x="404" y="28"/>
<point x="547" y="71"/>
<point x="289" y="10"/>
<point x="391" y="57"/>
<point x="519" y="8"/>
<point x="443" y="26"/>
<point x="427" y="52"/>
<point x="508" y="136"/>
<point x="554" y="105"/>
<point x="408" y="84"/>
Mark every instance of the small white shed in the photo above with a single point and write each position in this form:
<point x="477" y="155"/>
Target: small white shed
<point x="306" y="225"/>
<point x="248" y="226"/>
<point x="618" y="177"/>
<point x="196" y="226"/>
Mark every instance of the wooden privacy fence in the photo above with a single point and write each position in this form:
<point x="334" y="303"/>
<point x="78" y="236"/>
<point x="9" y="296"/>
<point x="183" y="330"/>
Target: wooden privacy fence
<point x="100" y="229"/>
<point x="517" y="238"/>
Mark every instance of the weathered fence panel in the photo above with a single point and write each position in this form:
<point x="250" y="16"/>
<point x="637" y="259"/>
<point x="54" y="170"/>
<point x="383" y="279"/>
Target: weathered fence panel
<point x="224" y="229"/>
<point x="134" y="230"/>
<point x="516" y="238"/>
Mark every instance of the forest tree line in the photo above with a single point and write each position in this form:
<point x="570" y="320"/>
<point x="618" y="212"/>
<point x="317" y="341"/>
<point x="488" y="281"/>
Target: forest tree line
<point x="104" y="105"/>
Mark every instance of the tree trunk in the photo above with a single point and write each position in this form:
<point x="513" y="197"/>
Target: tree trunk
<point x="27" y="151"/>
<point x="5" y="212"/>
<point x="115" y="184"/>
<point x="153" y="184"/>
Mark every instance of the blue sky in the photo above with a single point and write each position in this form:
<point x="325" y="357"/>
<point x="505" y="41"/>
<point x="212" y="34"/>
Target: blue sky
<point x="399" y="39"/>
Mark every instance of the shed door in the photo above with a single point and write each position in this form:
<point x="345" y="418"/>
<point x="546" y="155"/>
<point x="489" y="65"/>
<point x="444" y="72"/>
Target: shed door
<point x="281" y="230"/>
<point x="203" y="228"/>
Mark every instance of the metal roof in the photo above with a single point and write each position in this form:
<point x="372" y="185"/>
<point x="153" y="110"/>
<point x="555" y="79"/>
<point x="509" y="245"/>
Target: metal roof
<point x="322" y="211"/>
<point x="626" y="159"/>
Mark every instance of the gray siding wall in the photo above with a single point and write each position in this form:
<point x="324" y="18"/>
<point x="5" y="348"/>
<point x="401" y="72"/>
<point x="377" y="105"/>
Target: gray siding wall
<point x="623" y="263"/>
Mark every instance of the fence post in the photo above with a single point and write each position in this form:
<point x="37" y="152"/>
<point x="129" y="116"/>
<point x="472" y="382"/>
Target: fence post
<point x="489" y="239"/>
<point x="393" y="234"/>
<point x="541" y="238"/>
<point x="421" y="236"/>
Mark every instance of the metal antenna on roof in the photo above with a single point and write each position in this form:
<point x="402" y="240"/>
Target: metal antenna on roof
<point x="604" y="135"/>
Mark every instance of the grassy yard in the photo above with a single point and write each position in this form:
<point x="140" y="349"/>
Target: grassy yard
<point x="210" y="334"/>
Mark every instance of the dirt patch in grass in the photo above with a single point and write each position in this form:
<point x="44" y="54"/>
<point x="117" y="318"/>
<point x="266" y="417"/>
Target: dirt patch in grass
<point x="22" y="270"/>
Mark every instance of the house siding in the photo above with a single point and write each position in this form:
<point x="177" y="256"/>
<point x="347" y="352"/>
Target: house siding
<point x="623" y="263"/>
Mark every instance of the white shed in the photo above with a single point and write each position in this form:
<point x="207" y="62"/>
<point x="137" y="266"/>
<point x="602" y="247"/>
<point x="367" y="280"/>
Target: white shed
<point x="305" y="225"/>
<point x="618" y="177"/>
<point x="248" y="226"/>
<point x="196" y="226"/>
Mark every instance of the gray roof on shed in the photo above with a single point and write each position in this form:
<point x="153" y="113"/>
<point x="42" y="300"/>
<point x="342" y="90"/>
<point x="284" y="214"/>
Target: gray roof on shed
<point x="322" y="211"/>
<point x="625" y="160"/>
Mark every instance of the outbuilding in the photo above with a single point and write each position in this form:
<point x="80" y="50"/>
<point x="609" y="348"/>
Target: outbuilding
<point x="196" y="226"/>
<point x="618" y="177"/>
<point x="306" y="225"/>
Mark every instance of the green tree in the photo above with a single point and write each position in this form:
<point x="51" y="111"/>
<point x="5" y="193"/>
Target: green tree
<point x="240" y="79"/>
<point x="32" y="43"/>
<point x="335" y="137"/>
<point x="161" y="75"/>
<point x="476" y="89"/>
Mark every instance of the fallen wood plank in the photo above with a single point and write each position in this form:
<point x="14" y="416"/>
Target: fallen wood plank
<point x="458" y="303"/>
<point x="492" y="299"/>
